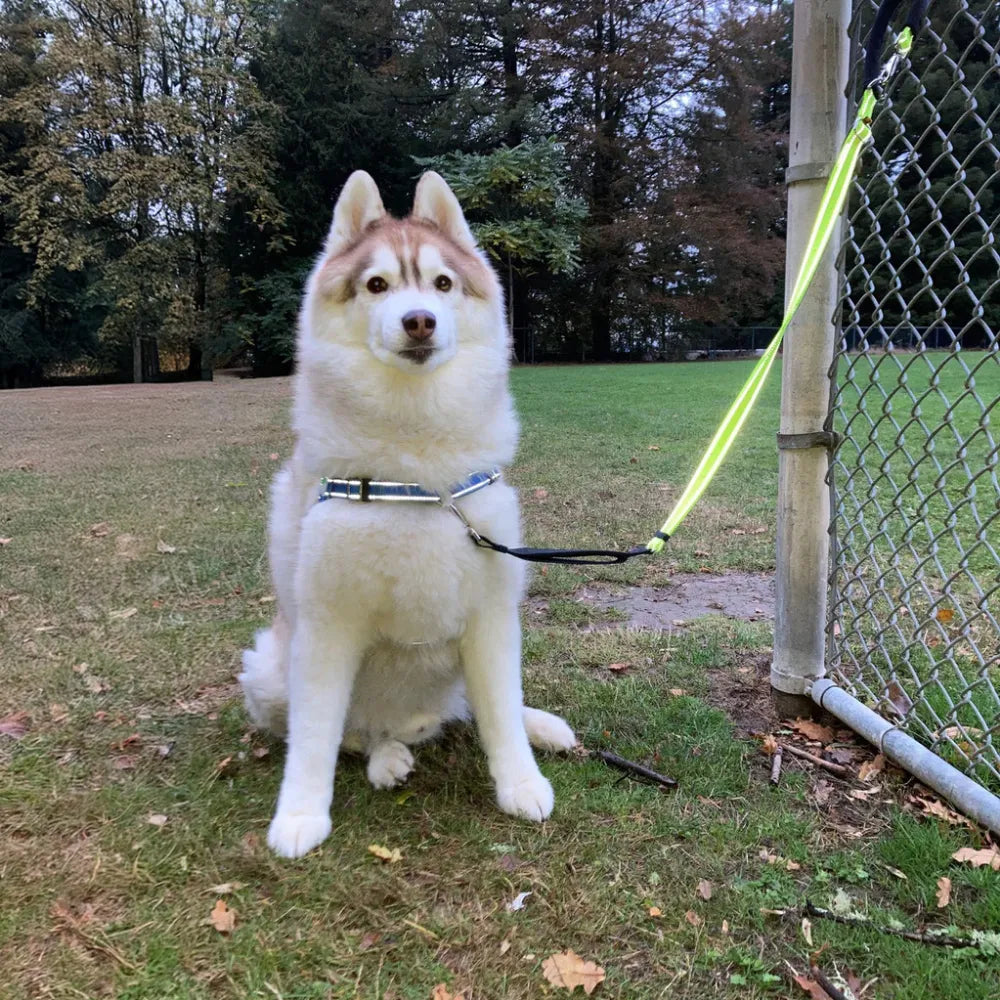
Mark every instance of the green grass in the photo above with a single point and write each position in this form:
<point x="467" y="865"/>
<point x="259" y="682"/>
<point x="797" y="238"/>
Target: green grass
<point x="100" y="903"/>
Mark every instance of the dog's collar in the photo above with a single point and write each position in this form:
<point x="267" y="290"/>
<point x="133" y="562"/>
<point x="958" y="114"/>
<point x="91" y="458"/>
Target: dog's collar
<point x="371" y="489"/>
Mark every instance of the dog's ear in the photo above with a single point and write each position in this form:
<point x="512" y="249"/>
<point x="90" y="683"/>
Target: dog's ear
<point x="435" y="202"/>
<point x="358" y="206"/>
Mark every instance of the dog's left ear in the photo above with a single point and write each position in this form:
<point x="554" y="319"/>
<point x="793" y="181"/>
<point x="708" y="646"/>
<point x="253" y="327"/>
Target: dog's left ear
<point x="436" y="202"/>
<point x="358" y="206"/>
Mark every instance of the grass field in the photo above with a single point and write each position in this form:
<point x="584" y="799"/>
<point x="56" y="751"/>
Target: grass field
<point x="137" y="795"/>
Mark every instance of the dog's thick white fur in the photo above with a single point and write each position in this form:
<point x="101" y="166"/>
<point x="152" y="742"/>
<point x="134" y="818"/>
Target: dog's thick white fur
<point x="390" y="621"/>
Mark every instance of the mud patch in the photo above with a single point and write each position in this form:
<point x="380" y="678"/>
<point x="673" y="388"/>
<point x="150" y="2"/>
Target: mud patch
<point x="745" y="596"/>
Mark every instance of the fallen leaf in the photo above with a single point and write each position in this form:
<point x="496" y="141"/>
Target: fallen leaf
<point x="80" y="668"/>
<point x="156" y="819"/>
<point x="618" y="668"/>
<point x="813" y="730"/>
<point x="725" y="926"/>
<point x="504" y="946"/>
<point x="568" y="970"/>
<point x="384" y="854"/>
<point x="944" y="615"/>
<point x="895" y="871"/>
<point x="693" y="919"/>
<point x="870" y="768"/>
<point x="225" y="888"/>
<point x="936" y="808"/>
<point x="777" y="859"/>
<point x="655" y="911"/>
<point x="517" y="903"/>
<point x="161" y="546"/>
<point x="987" y="856"/>
<point x="15" y="725"/>
<point x="839" y="755"/>
<point x="369" y="940"/>
<point x="260" y="752"/>
<point x="678" y="692"/>
<point x="6" y="541"/>
<point x="540" y="494"/>
<point x="123" y="763"/>
<point x="440" y="992"/>
<point x="100" y="529"/>
<point x="769" y="744"/>
<point x="510" y="862"/>
<point x="95" y="685"/>
<point x="266" y="599"/>
<point x="812" y="987"/>
<point x="944" y="892"/>
<point x="898" y="698"/>
<point x="222" y="917"/>
<point x="274" y="456"/>
<point x="653" y="447"/>
<point x="123" y="614"/>
<point x="58" y="713"/>
<point x="807" y="931"/>
<point x="705" y="889"/>
<point x="821" y="792"/>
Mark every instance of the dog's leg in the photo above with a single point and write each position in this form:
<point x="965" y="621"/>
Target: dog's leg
<point x="389" y="763"/>
<point x="325" y="657"/>
<point x="491" y="662"/>
<point x="547" y="731"/>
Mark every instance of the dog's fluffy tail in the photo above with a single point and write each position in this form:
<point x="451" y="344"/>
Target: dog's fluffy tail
<point x="265" y="679"/>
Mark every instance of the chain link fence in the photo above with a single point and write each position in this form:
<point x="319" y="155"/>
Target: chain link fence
<point x="914" y="623"/>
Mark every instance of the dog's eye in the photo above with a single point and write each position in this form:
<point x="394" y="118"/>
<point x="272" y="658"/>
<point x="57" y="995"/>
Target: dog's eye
<point x="442" y="283"/>
<point x="377" y="285"/>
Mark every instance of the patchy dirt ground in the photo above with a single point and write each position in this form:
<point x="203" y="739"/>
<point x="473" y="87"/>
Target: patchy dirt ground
<point x="688" y="596"/>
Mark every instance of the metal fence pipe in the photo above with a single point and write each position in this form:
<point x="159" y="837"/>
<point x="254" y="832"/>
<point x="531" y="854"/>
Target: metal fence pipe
<point x="820" y="53"/>
<point x="968" y="796"/>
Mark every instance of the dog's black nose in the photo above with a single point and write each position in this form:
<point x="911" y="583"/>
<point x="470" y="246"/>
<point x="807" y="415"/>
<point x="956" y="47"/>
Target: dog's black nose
<point x="419" y="324"/>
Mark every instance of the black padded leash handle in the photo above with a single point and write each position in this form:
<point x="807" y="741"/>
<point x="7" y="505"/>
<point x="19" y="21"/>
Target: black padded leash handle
<point x="876" y="37"/>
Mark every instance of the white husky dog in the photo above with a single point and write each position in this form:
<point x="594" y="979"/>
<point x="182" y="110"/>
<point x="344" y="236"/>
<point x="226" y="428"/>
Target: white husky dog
<point x="389" y="617"/>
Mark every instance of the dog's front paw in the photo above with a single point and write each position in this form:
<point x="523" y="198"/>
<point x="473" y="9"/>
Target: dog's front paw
<point x="293" y="834"/>
<point x="547" y="731"/>
<point x="389" y="764"/>
<point x="529" y="797"/>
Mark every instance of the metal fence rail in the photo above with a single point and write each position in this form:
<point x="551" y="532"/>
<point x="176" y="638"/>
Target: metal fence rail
<point x="913" y="620"/>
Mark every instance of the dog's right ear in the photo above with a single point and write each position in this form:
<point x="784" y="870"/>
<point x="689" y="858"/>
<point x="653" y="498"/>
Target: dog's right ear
<point x="358" y="206"/>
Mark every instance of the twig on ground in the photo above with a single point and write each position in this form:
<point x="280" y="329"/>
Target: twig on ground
<point x="923" y="937"/>
<point x="630" y="766"/>
<point x="834" y="993"/>
<point x="776" y="766"/>
<point x="95" y="941"/>
<point x="844" y="772"/>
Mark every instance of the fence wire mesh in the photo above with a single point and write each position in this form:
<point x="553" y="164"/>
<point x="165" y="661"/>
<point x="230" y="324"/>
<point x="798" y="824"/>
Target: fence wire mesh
<point x="915" y="572"/>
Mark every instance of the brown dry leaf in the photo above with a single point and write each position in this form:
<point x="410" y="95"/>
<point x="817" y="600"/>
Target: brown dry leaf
<point x="260" y="752"/>
<point x="812" y="987"/>
<point x="821" y="792"/>
<point x="653" y="447"/>
<point x="944" y="615"/>
<point x="540" y="494"/>
<point x="705" y="889"/>
<point x="225" y="888"/>
<point x="15" y="725"/>
<point x="123" y="614"/>
<point x="944" y="892"/>
<point x="769" y="745"/>
<point x="678" y="692"/>
<point x="274" y="456"/>
<point x="384" y="854"/>
<point x="934" y="807"/>
<point x="568" y="970"/>
<point x="440" y="992"/>
<point x="987" y="856"/>
<point x="161" y="546"/>
<point x="693" y="919"/>
<point x="100" y="529"/>
<point x="898" y="698"/>
<point x="813" y="730"/>
<point x="156" y="819"/>
<point x="124" y="763"/>
<point x="807" y="931"/>
<point x="655" y="911"/>
<point x="95" y="685"/>
<point x="777" y="859"/>
<point x="618" y="668"/>
<point x="222" y="917"/>
<point x="839" y="755"/>
<point x="504" y="946"/>
<point x="58" y="713"/>
<point x="870" y="768"/>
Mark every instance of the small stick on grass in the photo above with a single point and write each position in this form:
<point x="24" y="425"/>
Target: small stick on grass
<point x="839" y="769"/>
<point x="631" y="767"/>
<point x="832" y="990"/>
<point x="776" y="766"/>
<point x="923" y="937"/>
